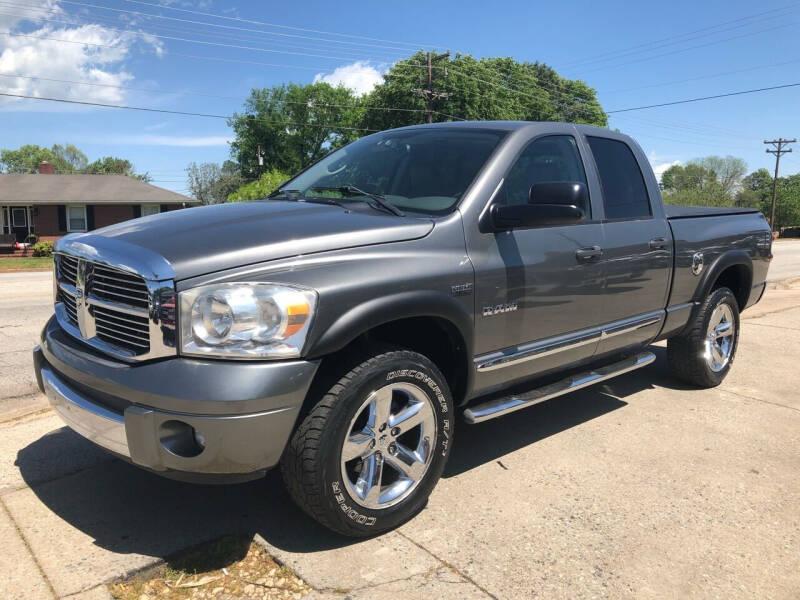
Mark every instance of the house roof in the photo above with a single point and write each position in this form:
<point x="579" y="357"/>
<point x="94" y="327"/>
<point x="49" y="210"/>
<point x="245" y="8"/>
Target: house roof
<point x="84" y="189"/>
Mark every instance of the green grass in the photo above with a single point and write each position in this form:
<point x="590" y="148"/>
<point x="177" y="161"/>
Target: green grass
<point x="25" y="263"/>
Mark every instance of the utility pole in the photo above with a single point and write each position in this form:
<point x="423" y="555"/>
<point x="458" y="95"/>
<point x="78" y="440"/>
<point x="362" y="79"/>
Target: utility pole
<point x="260" y="157"/>
<point x="778" y="148"/>
<point x="428" y="93"/>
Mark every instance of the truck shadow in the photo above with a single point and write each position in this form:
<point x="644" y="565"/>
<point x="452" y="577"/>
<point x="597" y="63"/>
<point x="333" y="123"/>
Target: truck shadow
<point x="476" y="445"/>
<point x="129" y="511"/>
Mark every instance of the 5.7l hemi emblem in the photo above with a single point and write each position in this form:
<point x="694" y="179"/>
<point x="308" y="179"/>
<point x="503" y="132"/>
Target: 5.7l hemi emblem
<point x="489" y="311"/>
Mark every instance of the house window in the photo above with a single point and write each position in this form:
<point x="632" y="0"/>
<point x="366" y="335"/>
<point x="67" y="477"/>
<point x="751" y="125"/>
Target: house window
<point x="150" y="209"/>
<point x="18" y="217"/>
<point x="76" y="218"/>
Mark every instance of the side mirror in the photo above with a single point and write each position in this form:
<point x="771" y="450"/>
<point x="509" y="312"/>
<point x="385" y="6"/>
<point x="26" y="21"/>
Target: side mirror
<point x="521" y="216"/>
<point x="570" y="193"/>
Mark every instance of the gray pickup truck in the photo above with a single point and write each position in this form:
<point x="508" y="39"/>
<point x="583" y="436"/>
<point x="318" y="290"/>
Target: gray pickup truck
<point x="342" y="325"/>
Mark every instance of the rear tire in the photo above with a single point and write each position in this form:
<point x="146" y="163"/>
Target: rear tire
<point x="703" y="354"/>
<point x="368" y="454"/>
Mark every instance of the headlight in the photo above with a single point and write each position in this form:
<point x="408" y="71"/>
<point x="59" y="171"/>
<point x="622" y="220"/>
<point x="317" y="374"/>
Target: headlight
<point x="245" y="320"/>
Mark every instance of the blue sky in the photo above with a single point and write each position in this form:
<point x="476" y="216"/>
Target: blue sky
<point x="631" y="52"/>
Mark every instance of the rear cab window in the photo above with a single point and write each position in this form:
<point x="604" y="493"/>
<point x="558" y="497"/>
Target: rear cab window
<point x="624" y="191"/>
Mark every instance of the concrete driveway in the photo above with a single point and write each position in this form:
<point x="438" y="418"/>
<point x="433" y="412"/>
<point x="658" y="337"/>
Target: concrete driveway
<point x="637" y="488"/>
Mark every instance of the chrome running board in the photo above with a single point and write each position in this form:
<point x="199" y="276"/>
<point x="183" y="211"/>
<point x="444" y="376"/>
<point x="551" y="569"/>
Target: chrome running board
<point x="502" y="406"/>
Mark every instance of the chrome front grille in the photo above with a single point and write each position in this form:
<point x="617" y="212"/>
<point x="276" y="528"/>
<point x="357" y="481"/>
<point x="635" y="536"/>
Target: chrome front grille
<point x="69" y="269"/>
<point x="117" y="286"/>
<point x="72" y="309"/>
<point x="122" y="329"/>
<point x="113" y="309"/>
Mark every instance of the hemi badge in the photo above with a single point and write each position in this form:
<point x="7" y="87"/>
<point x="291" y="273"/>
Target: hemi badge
<point x="462" y="289"/>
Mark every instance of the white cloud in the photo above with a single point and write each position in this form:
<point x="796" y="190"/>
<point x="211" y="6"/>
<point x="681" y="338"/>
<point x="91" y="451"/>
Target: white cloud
<point x="659" y="168"/>
<point x="359" y="76"/>
<point x="89" y="53"/>
<point x="173" y="140"/>
<point x="660" y="165"/>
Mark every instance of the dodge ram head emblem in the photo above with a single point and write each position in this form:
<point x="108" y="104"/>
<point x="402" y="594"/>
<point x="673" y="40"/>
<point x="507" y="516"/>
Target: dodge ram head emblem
<point x="489" y="311"/>
<point x="697" y="263"/>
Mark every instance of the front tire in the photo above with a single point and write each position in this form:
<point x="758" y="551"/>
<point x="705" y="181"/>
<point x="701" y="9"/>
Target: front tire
<point x="368" y="454"/>
<point x="703" y="354"/>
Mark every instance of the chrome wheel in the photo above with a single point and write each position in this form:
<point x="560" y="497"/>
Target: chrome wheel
<point x="720" y="338"/>
<point x="389" y="445"/>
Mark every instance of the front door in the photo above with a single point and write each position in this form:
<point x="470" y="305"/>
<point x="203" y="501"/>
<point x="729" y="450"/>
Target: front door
<point x="538" y="295"/>
<point x="19" y="222"/>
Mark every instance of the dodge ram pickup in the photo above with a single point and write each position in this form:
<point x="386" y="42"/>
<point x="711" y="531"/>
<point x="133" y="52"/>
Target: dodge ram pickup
<point x="340" y="327"/>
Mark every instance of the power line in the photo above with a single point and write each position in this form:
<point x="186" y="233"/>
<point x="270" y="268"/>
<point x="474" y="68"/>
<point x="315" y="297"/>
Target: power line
<point x="678" y="51"/>
<point x="231" y="27"/>
<point x="170" y="53"/>
<point x="774" y="87"/>
<point x="181" y="112"/>
<point x="702" y="77"/>
<point x="195" y="93"/>
<point x="89" y="20"/>
<point x="276" y="25"/>
<point x="221" y="44"/>
<point x="675" y="39"/>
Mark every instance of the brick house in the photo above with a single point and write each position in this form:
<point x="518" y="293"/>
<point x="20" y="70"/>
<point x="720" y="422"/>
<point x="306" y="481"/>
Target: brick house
<point x="51" y="205"/>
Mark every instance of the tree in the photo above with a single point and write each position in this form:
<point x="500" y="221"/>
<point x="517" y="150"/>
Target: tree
<point x="211" y="184"/>
<point x="261" y="188"/>
<point x="294" y="125"/>
<point x="709" y="181"/>
<point x="200" y="179"/>
<point x="481" y="89"/>
<point x="111" y="165"/>
<point x="728" y="171"/>
<point x="71" y="156"/>
<point x="65" y="159"/>
<point x="230" y="180"/>
<point x="26" y="159"/>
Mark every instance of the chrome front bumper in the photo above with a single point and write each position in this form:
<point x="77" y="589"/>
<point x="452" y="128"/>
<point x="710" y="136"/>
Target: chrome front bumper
<point x="204" y="421"/>
<point x="97" y="424"/>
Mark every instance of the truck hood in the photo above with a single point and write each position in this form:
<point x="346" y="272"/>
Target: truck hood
<point x="201" y="240"/>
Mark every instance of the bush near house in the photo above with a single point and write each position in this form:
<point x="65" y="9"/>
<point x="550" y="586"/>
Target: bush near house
<point x="43" y="249"/>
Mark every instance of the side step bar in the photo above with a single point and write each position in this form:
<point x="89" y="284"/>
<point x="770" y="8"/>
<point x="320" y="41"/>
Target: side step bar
<point x="503" y="406"/>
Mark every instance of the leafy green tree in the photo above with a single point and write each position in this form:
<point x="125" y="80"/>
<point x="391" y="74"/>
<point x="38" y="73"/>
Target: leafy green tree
<point x="26" y="159"/>
<point x="230" y="179"/>
<point x="481" y="89"/>
<point x="709" y="181"/>
<point x="728" y="171"/>
<point x="111" y="165"/>
<point x="294" y="125"/>
<point x="261" y="188"/>
<point x="787" y="203"/>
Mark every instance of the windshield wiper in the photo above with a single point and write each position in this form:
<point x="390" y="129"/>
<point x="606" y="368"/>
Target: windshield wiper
<point x="295" y="196"/>
<point x="352" y="190"/>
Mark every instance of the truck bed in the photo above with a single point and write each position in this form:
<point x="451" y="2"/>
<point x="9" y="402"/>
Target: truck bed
<point x="691" y="212"/>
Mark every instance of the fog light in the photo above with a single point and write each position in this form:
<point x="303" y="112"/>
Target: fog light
<point x="180" y="439"/>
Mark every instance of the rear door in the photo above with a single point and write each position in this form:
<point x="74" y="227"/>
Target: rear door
<point x="638" y="246"/>
<point x="538" y="296"/>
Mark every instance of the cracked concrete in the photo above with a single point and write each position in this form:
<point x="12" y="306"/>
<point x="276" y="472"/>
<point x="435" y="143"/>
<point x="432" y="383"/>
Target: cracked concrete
<point x="640" y="487"/>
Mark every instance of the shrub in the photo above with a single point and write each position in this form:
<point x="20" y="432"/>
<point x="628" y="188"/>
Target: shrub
<point x="260" y="188"/>
<point x="43" y="249"/>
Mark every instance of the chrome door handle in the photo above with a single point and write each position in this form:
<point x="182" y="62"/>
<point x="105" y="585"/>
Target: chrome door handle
<point x="589" y="253"/>
<point x="658" y="243"/>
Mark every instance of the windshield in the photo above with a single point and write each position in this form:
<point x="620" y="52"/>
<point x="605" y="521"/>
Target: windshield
<point x="426" y="170"/>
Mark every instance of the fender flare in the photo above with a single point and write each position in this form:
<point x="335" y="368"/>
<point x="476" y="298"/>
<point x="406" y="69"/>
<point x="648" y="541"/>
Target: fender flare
<point x="359" y="319"/>
<point x="727" y="259"/>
